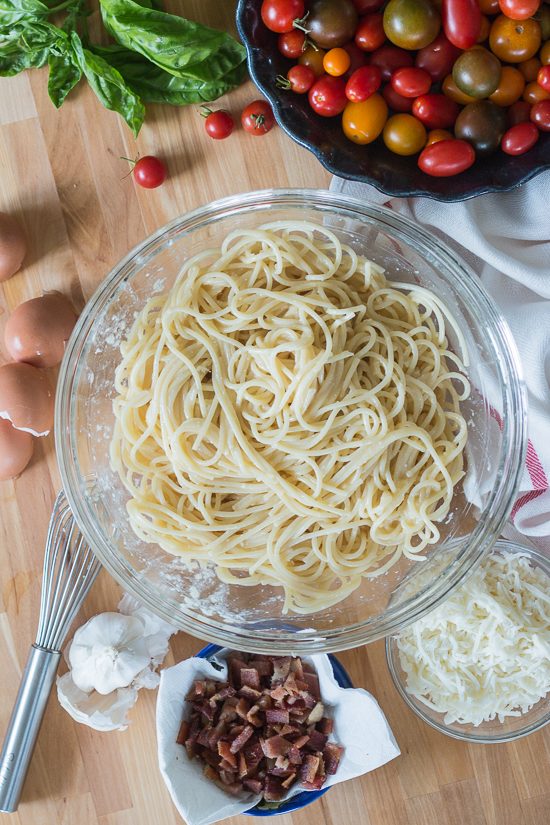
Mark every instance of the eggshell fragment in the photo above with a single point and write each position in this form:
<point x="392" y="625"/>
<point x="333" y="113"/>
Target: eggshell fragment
<point x="15" y="450"/>
<point x="37" y="331"/>
<point x="26" y="398"/>
<point x="13" y="246"/>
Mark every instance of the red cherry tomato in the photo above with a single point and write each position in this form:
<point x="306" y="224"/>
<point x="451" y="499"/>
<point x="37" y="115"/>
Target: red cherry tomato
<point x="518" y="112"/>
<point x="540" y="115"/>
<point x="436" y="111"/>
<point x="446" y="158"/>
<point x="461" y="22"/>
<point x="291" y="44"/>
<point x="300" y="79"/>
<point x="390" y="58"/>
<point x="363" y="83"/>
<point x="369" y="34"/>
<point x="411" y="82"/>
<point x="519" y="138"/>
<point x="543" y="78"/>
<point x="279" y="15"/>
<point x="257" y="118"/>
<point x="218" y="125"/>
<point x="149" y="172"/>
<point x="437" y="58"/>
<point x="396" y="101"/>
<point x="519" y="10"/>
<point x="327" y="96"/>
<point x="357" y="57"/>
<point x="366" y="6"/>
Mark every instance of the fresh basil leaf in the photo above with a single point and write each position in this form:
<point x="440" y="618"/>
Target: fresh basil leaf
<point x="12" y="11"/>
<point x="154" y="85"/>
<point x="26" y="46"/>
<point x="15" y="63"/>
<point x="182" y="47"/>
<point x="64" y="75"/>
<point x="109" y="85"/>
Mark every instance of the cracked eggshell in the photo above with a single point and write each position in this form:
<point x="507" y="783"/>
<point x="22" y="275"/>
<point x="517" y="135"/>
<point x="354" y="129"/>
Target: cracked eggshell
<point x="98" y="711"/>
<point x="16" y="448"/>
<point x="26" y="398"/>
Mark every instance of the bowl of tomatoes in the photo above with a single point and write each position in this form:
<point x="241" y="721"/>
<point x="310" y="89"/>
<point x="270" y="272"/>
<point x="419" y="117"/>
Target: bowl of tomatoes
<point x="446" y="99"/>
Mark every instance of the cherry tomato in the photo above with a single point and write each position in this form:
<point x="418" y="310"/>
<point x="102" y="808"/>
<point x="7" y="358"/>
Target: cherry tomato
<point x="489" y="6"/>
<point x="331" y="23"/>
<point x="530" y="68"/>
<point x="435" y="135"/>
<point x="438" y="57"/>
<point x="510" y="87"/>
<point x="540" y="115"/>
<point x="357" y="57"/>
<point x="404" y="134"/>
<point x="519" y="139"/>
<point x="477" y="72"/>
<point x="279" y="15"/>
<point x="257" y="118"/>
<point x="396" y="101"/>
<point x="298" y="79"/>
<point x="149" y="172"/>
<point x="366" y="6"/>
<point x="411" y="24"/>
<point x="363" y="83"/>
<point x="518" y="112"/>
<point x="291" y="44"/>
<point x="336" y="62"/>
<point x="363" y="122"/>
<point x="461" y="22"/>
<point x="543" y="78"/>
<point x="514" y="41"/>
<point x="519" y="10"/>
<point x="545" y="54"/>
<point x="218" y="125"/>
<point x="411" y="82"/>
<point x="327" y="96"/>
<point x="370" y="32"/>
<point x="446" y="158"/>
<point x="484" y="29"/>
<point x="543" y="17"/>
<point x="450" y="89"/>
<point x="436" y="111"/>
<point x="533" y="93"/>
<point x="314" y="59"/>
<point x="390" y="58"/>
<point x="482" y="124"/>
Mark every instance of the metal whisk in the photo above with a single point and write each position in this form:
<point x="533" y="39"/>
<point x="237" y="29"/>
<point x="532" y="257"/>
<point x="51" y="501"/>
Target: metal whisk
<point x="70" y="568"/>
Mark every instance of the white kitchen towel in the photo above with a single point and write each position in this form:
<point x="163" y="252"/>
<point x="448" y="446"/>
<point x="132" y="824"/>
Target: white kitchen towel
<point x="505" y="238"/>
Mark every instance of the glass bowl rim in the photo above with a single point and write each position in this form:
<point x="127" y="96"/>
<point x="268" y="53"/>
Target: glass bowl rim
<point x="472" y="294"/>
<point x="468" y="735"/>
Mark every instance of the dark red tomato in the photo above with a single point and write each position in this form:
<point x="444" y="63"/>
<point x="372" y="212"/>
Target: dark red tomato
<point x="518" y="112"/>
<point x="357" y="57"/>
<point x="461" y="22"/>
<point x="149" y="172"/>
<point x="367" y="6"/>
<point x="396" y="101"/>
<point x="519" y="10"/>
<point x="279" y="15"/>
<point x="411" y="82"/>
<point x="300" y="79"/>
<point x="292" y="43"/>
<point x="446" y="158"/>
<point x="257" y="118"/>
<point x="327" y="96"/>
<point x="370" y="32"/>
<point x="218" y="125"/>
<point x="540" y="115"/>
<point x="363" y="83"/>
<point x="436" y="111"/>
<point x="543" y="77"/>
<point x="390" y="58"/>
<point x="438" y="57"/>
<point x="519" y="138"/>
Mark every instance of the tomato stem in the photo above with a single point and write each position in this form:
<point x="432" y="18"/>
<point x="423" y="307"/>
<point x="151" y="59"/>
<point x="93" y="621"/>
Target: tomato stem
<point x="282" y="82"/>
<point x="259" y="120"/>
<point x="300" y="23"/>
<point x="205" y="111"/>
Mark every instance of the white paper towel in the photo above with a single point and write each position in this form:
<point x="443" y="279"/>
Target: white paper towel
<point x="359" y="726"/>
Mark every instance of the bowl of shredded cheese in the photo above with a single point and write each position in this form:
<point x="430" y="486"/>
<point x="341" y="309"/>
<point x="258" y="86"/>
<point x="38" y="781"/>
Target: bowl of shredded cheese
<point x="477" y="667"/>
<point x="278" y="406"/>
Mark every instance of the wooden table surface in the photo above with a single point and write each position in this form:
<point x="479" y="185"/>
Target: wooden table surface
<point x="61" y="174"/>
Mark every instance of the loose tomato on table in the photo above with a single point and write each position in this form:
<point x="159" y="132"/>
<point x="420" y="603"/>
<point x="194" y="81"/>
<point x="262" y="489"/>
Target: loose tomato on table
<point x="436" y="111"/>
<point x="370" y="32"/>
<point x="336" y="62"/>
<point x="363" y="122"/>
<point x="540" y="115"/>
<point x="149" y="172"/>
<point x="314" y="59"/>
<point x="518" y="112"/>
<point x="411" y="82"/>
<point x="411" y="24"/>
<point x="291" y="44"/>
<point x="519" y="9"/>
<point x="364" y="82"/>
<point x="390" y="58"/>
<point x="279" y="15"/>
<point x="298" y="79"/>
<point x="396" y="101"/>
<point x="257" y="118"/>
<point x="477" y="72"/>
<point x="327" y="96"/>
<point x="446" y="158"/>
<point x="461" y="21"/>
<point x="218" y="125"/>
<point x="514" y="41"/>
<point x="437" y="58"/>
<point x="510" y="87"/>
<point x="519" y="138"/>
<point x="404" y="135"/>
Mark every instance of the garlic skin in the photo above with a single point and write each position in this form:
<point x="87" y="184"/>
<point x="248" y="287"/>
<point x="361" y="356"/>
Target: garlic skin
<point x="101" y="712"/>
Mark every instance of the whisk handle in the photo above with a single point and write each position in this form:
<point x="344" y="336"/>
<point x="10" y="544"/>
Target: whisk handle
<point x="24" y="724"/>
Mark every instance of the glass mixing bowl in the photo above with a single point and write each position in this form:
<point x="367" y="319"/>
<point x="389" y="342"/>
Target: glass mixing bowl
<point x="252" y="618"/>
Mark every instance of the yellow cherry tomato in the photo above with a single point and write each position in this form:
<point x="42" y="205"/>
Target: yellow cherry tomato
<point x="510" y="87"/>
<point x="404" y="134"/>
<point x="514" y="41"/>
<point x="363" y="122"/>
<point x="336" y="62"/>
<point x="451" y="90"/>
<point x="529" y="68"/>
<point x="533" y="93"/>
<point x="545" y="54"/>
<point x="435" y="135"/>
<point x="314" y="59"/>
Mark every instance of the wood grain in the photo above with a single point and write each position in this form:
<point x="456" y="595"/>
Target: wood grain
<point x="61" y="174"/>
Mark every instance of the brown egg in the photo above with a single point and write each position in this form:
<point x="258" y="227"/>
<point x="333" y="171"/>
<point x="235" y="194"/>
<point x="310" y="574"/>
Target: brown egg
<point x="15" y="450"/>
<point x="13" y="246"/>
<point x="26" y="398"/>
<point x="37" y="331"/>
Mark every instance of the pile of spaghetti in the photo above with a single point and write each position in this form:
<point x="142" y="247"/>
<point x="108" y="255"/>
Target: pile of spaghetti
<point x="288" y="415"/>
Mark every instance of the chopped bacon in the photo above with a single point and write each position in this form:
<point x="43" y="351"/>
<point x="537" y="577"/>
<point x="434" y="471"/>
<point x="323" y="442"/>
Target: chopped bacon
<point x="316" y="714"/>
<point x="281" y="762"/>
<point x="308" y="771"/>
<point x="253" y="718"/>
<point x="286" y="783"/>
<point x="263" y="666"/>
<point x="235" y="666"/>
<point x="317" y="741"/>
<point x="326" y="725"/>
<point x="277" y="716"/>
<point x="295" y="756"/>
<point x="315" y="785"/>
<point x="241" y="739"/>
<point x="228" y="710"/>
<point x="296" y="667"/>
<point x="312" y="681"/>
<point x="242" y="708"/>
<point x="332" y="755"/>
<point x="197" y="690"/>
<point x="281" y="669"/>
<point x="276" y="746"/>
<point x="224" y="750"/>
<point x="183" y="732"/>
<point x="224" y="693"/>
<point x="273" y="790"/>
<point x="250" y="678"/>
<point x="279" y="693"/>
<point x="299" y="743"/>
<point x="254" y="785"/>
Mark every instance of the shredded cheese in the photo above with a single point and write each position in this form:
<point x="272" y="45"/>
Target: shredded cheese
<point x="485" y="652"/>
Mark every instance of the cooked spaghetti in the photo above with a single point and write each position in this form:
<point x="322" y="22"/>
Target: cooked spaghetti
<point x="288" y="415"/>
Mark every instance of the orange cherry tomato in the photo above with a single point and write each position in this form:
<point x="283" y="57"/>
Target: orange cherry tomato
<point x="533" y="93"/>
<point x="484" y="29"/>
<point x="438" y="134"/>
<point x="519" y="9"/>
<point x="545" y="54"/>
<point x="510" y="87"/>
<point x="514" y="40"/>
<point x="489" y="6"/>
<point x="529" y="68"/>
<point x="363" y="122"/>
<point x="404" y="135"/>
<point x="451" y="90"/>
<point x="336" y="62"/>
<point x="314" y="59"/>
